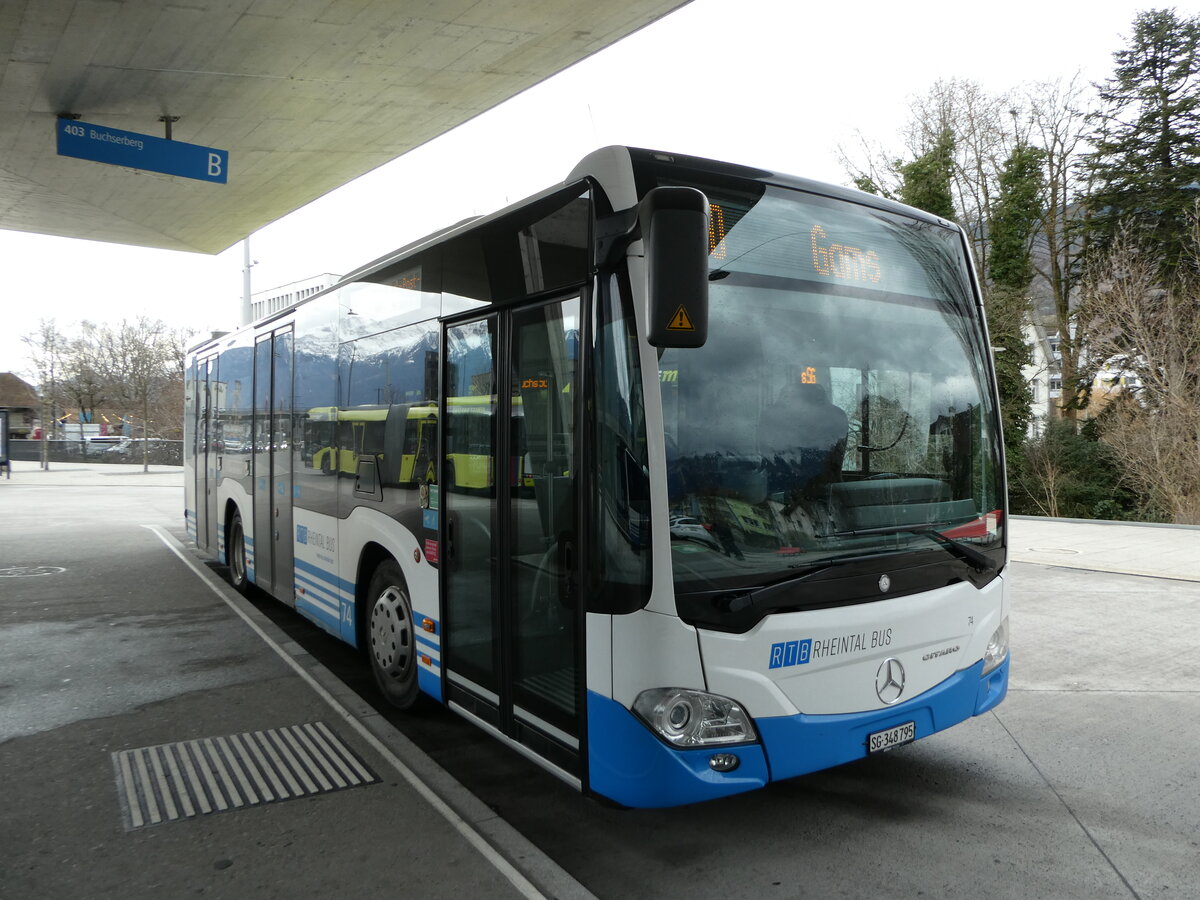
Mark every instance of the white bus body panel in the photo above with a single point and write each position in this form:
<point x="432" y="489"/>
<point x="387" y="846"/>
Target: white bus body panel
<point x="598" y="656"/>
<point x="835" y="654"/>
<point x="319" y="587"/>
<point x="656" y="651"/>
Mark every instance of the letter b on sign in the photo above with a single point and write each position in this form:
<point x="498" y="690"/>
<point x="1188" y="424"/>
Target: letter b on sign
<point x="216" y="165"/>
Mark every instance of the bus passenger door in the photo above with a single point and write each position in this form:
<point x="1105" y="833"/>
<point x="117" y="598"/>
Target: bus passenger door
<point x="282" y="444"/>
<point x="273" y="442"/>
<point x="258" y="552"/>
<point x="207" y="520"/>
<point x="509" y="494"/>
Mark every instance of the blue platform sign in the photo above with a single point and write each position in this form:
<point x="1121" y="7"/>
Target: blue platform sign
<point x="99" y="143"/>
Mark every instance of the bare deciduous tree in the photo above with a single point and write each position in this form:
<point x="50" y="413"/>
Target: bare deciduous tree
<point x="134" y="365"/>
<point x="47" y="347"/>
<point x="1058" y="123"/>
<point x="84" y="380"/>
<point x="1151" y="331"/>
<point x="141" y="360"/>
<point x="984" y="130"/>
<point x="1042" y="477"/>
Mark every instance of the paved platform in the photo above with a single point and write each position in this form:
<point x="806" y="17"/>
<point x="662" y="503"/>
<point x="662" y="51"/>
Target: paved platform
<point x="1158" y="551"/>
<point x="322" y="798"/>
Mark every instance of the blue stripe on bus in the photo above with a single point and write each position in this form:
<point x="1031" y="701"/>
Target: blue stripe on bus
<point x="324" y="591"/>
<point x="629" y="764"/>
<point x="317" y="606"/>
<point x="421" y="639"/>
<point x="329" y="618"/>
<point x="329" y="621"/>
<point x="325" y="575"/>
<point x="430" y="683"/>
<point x="331" y="605"/>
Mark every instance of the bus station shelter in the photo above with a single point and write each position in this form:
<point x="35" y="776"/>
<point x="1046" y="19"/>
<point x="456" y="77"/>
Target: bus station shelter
<point x="101" y="103"/>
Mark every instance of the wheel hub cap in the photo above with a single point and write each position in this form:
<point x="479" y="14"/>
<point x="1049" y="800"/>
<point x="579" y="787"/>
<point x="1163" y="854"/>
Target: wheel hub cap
<point x="391" y="633"/>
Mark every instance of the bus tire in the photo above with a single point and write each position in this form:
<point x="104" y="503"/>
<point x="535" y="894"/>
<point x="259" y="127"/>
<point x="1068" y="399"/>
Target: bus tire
<point x="391" y="636"/>
<point x="235" y="552"/>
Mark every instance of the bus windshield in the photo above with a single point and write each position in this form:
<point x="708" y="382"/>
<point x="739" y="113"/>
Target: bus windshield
<point x="840" y="409"/>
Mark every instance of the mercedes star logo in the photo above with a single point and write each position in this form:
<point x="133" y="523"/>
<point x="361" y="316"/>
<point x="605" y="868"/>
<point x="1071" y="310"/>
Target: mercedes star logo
<point x="889" y="680"/>
<point x="884" y="584"/>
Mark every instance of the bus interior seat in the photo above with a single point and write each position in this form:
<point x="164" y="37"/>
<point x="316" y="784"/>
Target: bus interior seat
<point x="802" y="440"/>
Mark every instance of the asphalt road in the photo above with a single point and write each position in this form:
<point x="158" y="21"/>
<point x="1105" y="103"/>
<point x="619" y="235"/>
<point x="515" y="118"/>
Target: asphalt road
<point x="1084" y="783"/>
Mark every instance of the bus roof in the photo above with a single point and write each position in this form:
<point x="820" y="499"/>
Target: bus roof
<point x="601" y="166"/>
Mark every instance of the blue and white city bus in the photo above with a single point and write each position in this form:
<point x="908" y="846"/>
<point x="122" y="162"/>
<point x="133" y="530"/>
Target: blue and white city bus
<point x="684" y="477"/>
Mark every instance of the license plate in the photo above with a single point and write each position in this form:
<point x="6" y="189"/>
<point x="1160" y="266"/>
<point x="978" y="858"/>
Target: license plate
<point x="893" y="737"/>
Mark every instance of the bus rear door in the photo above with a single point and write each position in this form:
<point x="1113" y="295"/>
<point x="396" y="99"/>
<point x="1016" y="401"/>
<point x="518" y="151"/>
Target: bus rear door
<point x="273" y="447"/>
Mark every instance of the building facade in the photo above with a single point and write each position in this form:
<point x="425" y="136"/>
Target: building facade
<point x="23" y="405"/>
<point x="273" y="300"/>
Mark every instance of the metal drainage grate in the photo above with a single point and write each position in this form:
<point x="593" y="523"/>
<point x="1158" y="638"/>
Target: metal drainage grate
<point x="192" y="778"/>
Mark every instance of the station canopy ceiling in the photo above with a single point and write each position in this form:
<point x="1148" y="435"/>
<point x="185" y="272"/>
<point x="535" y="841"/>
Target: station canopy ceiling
<point x="305" y="95"/>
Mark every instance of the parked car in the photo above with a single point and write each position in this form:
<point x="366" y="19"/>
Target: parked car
<point x="126" y="448"/>
<point x="688" y="528"/>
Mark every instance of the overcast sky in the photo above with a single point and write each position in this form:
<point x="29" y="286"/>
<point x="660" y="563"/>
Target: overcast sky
<point x="773" y="83"/>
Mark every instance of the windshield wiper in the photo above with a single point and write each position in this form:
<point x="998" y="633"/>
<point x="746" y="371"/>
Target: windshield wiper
<point x="739" y="600"/>
<point x="978" y="560"/>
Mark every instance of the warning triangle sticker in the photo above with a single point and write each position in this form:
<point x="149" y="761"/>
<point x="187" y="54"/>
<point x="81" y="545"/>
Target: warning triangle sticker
<point x="680" y="321"/>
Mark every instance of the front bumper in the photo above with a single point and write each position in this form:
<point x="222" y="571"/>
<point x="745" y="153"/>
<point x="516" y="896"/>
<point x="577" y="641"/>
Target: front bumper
<point x="630" y="765"/>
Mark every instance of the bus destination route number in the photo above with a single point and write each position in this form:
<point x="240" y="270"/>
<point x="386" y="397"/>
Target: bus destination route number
<point x="893" y="737"/>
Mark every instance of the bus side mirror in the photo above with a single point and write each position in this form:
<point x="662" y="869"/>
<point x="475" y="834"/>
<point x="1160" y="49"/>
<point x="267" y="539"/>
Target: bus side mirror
<point x="674" y="226"/>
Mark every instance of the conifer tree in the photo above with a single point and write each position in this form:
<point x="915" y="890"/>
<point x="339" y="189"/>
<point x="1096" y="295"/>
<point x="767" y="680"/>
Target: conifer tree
<point x="926" y="180"/>
<point x="1145" y="165"/>
<point x="1014" y="220"/>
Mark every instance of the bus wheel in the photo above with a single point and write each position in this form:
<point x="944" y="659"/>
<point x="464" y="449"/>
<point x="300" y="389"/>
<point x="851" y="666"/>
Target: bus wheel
<point x="391" y="632"/>
<point x="235" y="551"/>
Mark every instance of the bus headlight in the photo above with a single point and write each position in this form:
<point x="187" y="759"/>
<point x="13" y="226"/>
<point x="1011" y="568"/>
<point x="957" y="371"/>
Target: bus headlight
<point x="688" y="718"/>
<point x="997" y="648"/>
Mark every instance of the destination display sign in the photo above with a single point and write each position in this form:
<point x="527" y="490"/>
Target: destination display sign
<point x="98" y="143"/>
<point x="793" y="234"/>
